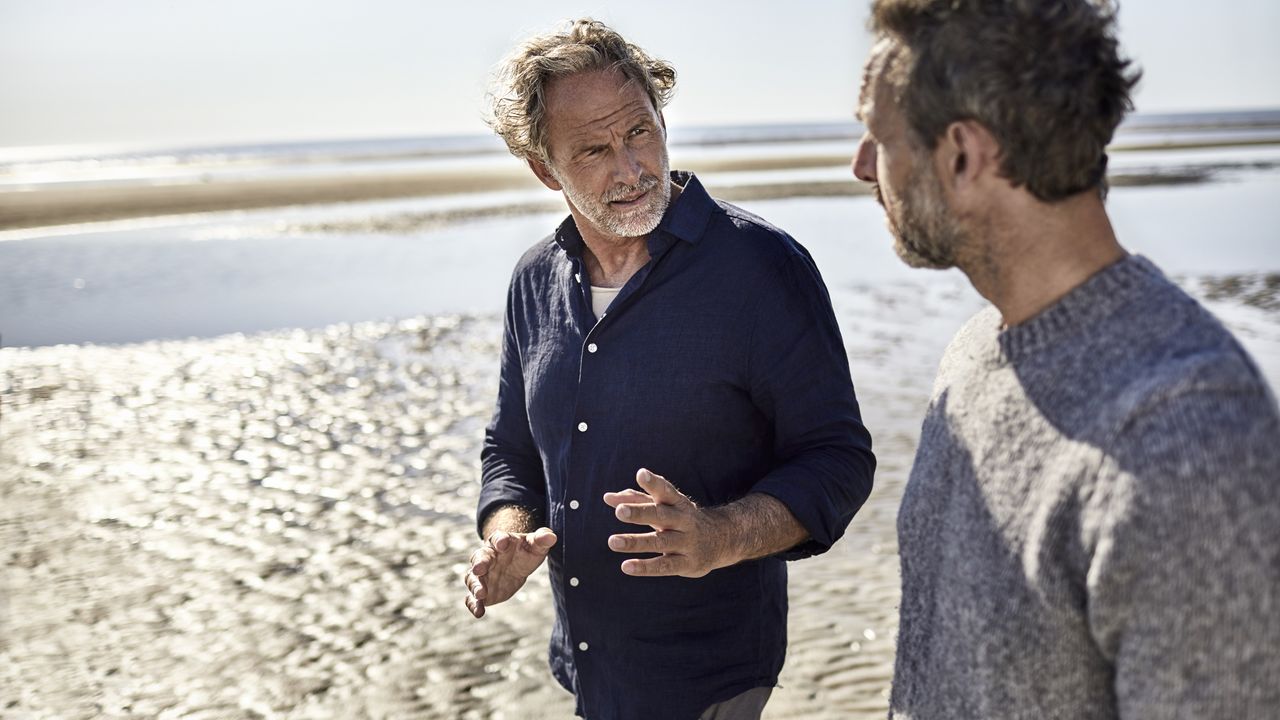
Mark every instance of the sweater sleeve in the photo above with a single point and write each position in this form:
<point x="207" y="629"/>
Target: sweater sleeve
<point x="1184" y="582"/>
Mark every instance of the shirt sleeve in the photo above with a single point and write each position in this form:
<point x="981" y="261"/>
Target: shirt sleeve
<point x="511" y="469"/>
<point x="799" y="376"/>
<point x="1184" y="581"/>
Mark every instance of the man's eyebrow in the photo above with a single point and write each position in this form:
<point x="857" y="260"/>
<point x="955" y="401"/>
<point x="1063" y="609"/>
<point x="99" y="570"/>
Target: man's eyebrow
<point x="586" y="147"/>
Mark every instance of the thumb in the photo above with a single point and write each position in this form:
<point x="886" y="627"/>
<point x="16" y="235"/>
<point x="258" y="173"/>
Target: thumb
<point x="658" y="487"/>
<point x="543" y="539"/>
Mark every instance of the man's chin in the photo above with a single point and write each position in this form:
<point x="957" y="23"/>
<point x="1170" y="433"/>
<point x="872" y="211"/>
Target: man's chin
<point x="916" y="259"/>
<point x="638" y="226"/>
<point x="644" y="220"/>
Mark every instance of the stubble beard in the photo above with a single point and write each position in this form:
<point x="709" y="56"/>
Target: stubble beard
<point x="624" y="223"/>
<point x="924" y="233"/>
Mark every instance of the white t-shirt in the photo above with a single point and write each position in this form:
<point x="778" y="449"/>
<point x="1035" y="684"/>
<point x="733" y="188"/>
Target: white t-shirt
<point x="600" y="299"/>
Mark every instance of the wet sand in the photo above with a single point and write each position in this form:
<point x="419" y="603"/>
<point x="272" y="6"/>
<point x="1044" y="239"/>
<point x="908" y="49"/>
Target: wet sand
<point x="57" y="206"/>
<point x="275" y="525"/>
<point x="28" y="208"/>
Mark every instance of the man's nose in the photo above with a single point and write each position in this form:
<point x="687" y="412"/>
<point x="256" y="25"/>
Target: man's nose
<point x="627" y="168"/>
<point x="864" y="161"/>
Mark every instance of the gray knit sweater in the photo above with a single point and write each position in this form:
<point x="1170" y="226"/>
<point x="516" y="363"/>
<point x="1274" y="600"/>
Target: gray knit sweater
<point x="1092" y="525"/>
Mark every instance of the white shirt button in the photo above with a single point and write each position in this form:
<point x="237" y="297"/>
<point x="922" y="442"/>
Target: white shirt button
<point x="582" y="427"/>
<point x="573" y="504"/>
<point x="583" y="646"/>
<point x="573" y="582"/>
<point x="592" y="348"/>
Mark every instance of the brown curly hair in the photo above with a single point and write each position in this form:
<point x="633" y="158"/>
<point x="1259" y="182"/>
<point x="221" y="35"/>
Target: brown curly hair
<point x="1045" y="77"/>
<point x="517" y="102"/>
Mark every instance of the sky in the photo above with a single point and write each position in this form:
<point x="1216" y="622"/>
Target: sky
<point x="194" y="72"/>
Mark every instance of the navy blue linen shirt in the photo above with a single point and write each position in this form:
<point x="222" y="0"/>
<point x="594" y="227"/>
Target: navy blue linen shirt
<point x="719" y="366"/>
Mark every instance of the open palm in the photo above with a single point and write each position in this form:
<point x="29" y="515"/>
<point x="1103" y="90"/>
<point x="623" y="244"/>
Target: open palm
<point x="501" y="566"/>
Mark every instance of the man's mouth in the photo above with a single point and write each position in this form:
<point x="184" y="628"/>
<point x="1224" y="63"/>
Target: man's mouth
<point x="629" y="201"/>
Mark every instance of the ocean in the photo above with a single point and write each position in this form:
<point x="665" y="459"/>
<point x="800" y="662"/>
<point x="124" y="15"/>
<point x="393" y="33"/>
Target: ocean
<point x="32" y="168"/>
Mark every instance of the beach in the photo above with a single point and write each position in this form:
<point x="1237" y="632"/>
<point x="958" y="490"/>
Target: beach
<point x="239" y="452"/>
<point x="276" y="526"/>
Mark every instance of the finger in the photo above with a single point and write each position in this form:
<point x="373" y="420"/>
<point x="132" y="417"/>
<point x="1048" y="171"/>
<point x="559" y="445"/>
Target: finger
<point x="663" y="517"/>
<point x="501" y="541"/>
<point x="475" y="606"/>
<point x="658" y="486"/>
<point x="655" y="567"/>
<point x="614" y="499"/>
<point x="654" y="542"/>
<point x="476" y="587"/>
<point x="481" y="561"/>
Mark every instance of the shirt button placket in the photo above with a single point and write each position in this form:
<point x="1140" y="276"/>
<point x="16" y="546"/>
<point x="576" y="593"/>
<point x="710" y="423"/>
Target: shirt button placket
<point x="583" y="646"/>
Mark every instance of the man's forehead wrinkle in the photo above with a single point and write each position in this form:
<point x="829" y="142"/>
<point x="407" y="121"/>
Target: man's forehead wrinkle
<point x="875" y="62"/>
<point x="622" y="113"/>
<point x="870" y="72"/>
<point x="631" y="100"/>
<point x="885" y="72"/>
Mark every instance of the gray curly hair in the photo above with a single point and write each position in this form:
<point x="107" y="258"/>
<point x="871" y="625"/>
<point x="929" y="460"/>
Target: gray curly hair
<point x="517" y="100"/>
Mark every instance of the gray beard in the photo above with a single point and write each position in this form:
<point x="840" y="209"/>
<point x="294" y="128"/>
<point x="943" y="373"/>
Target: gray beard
<point x="636" y="223"/>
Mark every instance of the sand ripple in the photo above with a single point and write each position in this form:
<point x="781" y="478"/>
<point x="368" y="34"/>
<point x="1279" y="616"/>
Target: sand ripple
<point x="275" y="526"/>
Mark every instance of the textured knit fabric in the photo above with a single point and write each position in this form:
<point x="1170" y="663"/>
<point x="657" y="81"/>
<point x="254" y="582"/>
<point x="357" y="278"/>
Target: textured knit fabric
<point x="719" y="366"/>
<point x="1092" y="525"/>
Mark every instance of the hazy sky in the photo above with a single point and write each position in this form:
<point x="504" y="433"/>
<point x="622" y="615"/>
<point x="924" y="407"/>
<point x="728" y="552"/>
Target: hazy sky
<point x="166" y="72"/>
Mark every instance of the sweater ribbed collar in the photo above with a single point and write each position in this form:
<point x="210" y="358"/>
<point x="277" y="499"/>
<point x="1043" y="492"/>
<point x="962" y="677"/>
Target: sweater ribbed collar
<point x="1106" y="292"/>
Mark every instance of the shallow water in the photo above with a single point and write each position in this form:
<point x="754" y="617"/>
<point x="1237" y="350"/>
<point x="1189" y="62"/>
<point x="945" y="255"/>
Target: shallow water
<point x="248" y="272"/>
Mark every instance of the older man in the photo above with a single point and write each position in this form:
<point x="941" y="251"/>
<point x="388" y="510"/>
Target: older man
<point x="656" y="333"/>
<point x="1092" y="525"/>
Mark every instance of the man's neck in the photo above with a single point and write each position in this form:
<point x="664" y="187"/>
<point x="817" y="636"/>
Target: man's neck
<point x="611" y="261"/>
<point x="1040" y="252"/>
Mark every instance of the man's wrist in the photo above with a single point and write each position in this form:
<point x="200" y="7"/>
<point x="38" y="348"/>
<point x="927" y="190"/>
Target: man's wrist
<point x="724" y="531"/>
<point x="509" y="518"/>
<point x="752" y="527"/>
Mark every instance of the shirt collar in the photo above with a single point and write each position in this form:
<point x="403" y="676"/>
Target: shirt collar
<point x="685" y="219"/>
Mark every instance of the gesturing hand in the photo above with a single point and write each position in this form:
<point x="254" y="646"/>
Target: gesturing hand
<point x="500" y="567"/>
<point x="692" y="541"/>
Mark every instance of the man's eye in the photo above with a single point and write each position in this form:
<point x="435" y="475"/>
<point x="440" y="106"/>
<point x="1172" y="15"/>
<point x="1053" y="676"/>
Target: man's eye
<point x="639" y="131"/>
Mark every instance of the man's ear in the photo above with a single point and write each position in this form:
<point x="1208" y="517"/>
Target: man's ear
<point x="543" y="172"/>
<point x="965" y="156"/>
